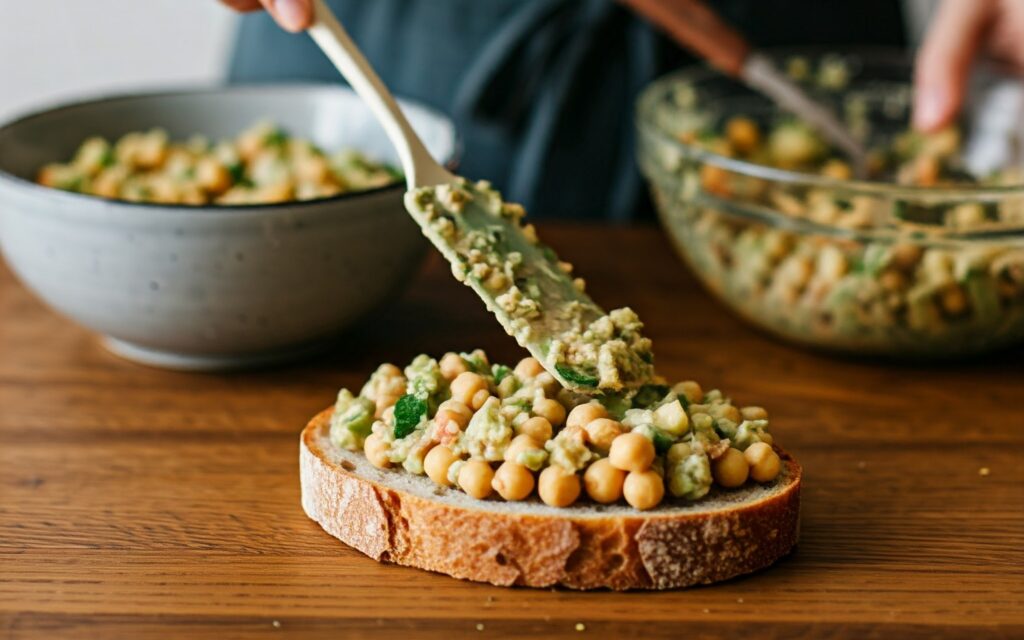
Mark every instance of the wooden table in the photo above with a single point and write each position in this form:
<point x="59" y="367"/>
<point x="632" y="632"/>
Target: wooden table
<point x="150" y="504"/>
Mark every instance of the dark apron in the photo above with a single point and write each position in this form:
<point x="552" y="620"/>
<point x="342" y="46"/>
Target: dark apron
<point x="542" y="91"/>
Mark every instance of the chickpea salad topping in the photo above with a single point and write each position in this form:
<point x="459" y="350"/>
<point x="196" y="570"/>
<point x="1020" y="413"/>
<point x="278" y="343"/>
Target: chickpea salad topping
<point x="494" y="431"/>
<point x="532" y="292"/>
<point x="263" y="165"/>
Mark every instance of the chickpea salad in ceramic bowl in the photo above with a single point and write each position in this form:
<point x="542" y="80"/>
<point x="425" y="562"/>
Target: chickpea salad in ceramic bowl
<point x="262" y="165"/>
<point x="922" y="258"/>
<point x="238" y="248"/>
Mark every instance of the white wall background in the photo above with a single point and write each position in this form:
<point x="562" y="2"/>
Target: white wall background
<point x="52" y="50"/>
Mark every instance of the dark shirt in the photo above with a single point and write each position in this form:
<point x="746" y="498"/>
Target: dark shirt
<point x="542" y="91"/>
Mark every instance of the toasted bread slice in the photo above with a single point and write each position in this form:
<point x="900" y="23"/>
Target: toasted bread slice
<point x="394" y="516"/>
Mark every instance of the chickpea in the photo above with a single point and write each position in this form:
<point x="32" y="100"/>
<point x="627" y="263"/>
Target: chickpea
<point x="837" y="169"/>
<point x="212" y="175"/>
<point x="926" y="171"/>
<point x="547" y="383"/>
<point x="743" y="134"/>
<point x="312" y="169"/>
<point x="715" y="179"/>
<point x="643" y="489"/>
<point x="906" y="256"/>
<point x="892" y="280"/>
<point x="479" y="398"/>
<point x="465" y="387"/>
<point x="475" y="478"/>
<point x="730" y="469"/>
<point x="679" y="451"/>
<point x="603" y="481"/>
<point x="729" y="412"/>
<point x="690" y="390"/>
<point x="452" y="365"/>
<point x="754" y="413"/>
<point x="954" y="300"/>
<point x="152" y="149"/>
<point x="513" y="481"/>
<point x="764" y="462"/>
<point x="454" y="410"/>
<point x="584" y="414"/>
<point x="602" y="432"/>
<point x="631" y="452"/>
<point x="558" y="486"/>
<point x="496" y="281"/>
<point x="437" y="462"/>
<point x="550" y="409"/>
<point x="537" y="428"/>
<point x="528" y="368"/>
<point x="444" y="417"/>
<point x="384" y="401"/>
<point x="108" y="183"/>
<point x="520" y="443"/>
<point x="456" y="407"/>
<point x="376" y="450"/>
<point x="191" y="194"/>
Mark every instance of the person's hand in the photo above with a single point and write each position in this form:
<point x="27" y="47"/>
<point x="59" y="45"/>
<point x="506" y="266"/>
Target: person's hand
<point x="292" y="15"/>
<point x="960" y="30"/>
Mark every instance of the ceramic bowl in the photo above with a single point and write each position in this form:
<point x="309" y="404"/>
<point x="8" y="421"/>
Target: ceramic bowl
<point x="216" y="286"/>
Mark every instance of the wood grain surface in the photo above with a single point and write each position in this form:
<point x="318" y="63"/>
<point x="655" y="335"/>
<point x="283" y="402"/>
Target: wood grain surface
<point x="141" y="503"/>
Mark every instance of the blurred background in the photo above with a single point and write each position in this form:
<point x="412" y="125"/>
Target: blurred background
<point x="94" y="47"/>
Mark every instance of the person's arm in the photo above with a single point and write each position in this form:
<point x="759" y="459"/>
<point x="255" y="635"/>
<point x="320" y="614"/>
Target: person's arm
<point x="960" y="30"/>
<point x="292" y="15"/>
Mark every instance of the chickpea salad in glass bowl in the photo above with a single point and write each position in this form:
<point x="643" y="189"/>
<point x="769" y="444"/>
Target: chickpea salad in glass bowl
<point x="512" y="433"/>
<point x="262" y="165"/>
<point x="923" y="258"/>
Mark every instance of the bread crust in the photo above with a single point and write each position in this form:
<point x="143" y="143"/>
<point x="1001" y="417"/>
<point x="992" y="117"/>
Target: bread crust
<point x="638" y="550"/>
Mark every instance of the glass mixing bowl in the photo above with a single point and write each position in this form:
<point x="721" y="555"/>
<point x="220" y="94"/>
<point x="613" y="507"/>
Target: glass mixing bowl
<point x="871" y="267"/>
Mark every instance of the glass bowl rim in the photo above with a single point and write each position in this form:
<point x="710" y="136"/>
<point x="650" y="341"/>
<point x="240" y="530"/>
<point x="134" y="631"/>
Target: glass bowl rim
<point x="655" y="93"/>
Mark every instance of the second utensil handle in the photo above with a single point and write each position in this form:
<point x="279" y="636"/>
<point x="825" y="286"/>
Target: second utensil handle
<point x="693" y="24"/>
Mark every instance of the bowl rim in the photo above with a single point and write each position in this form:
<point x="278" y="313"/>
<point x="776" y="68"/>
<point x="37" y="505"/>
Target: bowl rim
<point x="198" y="89"/>
<point x="654" y="94"/>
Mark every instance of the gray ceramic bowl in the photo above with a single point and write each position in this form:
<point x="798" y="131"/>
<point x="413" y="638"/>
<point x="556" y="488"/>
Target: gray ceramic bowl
<point x="211" y="287"/>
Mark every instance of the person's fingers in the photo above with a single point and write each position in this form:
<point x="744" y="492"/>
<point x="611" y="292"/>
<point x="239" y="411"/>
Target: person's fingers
<point x="292" y="15"/>
<point x="243" y="5"/>
<point x="943" y="62"/>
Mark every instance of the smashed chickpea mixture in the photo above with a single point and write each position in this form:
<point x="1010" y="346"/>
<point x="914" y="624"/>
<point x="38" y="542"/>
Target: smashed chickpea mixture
<point x="490" y="429"/>
<point x="262" y="165"/>
<point x="532" y="292"/>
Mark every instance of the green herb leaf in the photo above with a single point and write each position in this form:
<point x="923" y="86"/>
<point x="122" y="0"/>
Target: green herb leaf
<point x="662" y="441"/>
<point x="409" y="411"/>
<point x="616" y="404"/>
<point x="237" y="171"/>
<point x="107" y="159"/>
<point x="650" y="394"/>
<point x="576" y="377"/>
<point x="500" y="372"/>
<point x="276" y="138"/>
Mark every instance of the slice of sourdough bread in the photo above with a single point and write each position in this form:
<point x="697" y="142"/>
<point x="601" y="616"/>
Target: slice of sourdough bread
<point x="394" y="516"/>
